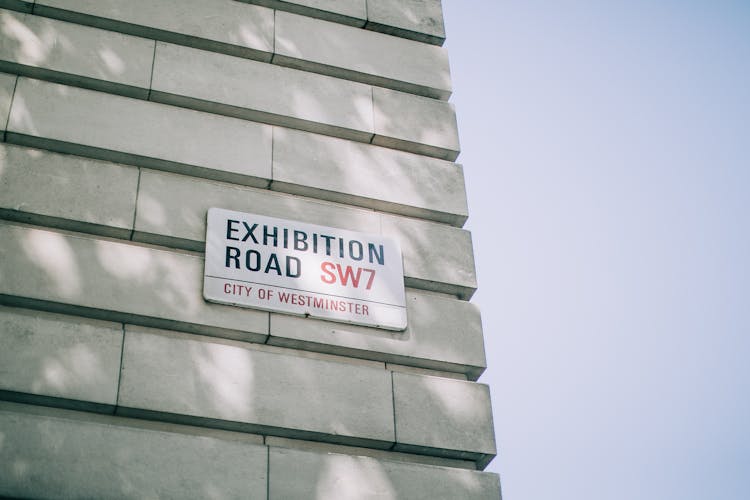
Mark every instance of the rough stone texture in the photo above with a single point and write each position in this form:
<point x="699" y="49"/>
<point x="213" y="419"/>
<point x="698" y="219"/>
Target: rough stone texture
<point x="369" y="176"/>
<point x="7" y="85"/>
<point x="262" y="92"/>
<point x="351" y="12"/>
<point x="361" y="55"/>
<point x="338" y="477"/>
<point x="442" y="333"/>
<point x="436" y="257"/>
<point x="416" y="19"/>
<point x="441" y="416"/>
<point x="129" y="130"/>
<point x="71" y="53"/>
<point x="116" y="280"/>
<point x="263" y="392"/>
<point x="51" y="453"/>
<point x="415" y="123"/>
<point x="172" y="209"/>
<point x="88" y="195"/>
<point x="59" y="356"/>
<point x="221" y="25"/>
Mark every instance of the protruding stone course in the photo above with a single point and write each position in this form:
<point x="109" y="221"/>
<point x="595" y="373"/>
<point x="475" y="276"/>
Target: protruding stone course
<point x="255" y="390"/>
<point x="220" y="25"/>
<point x="369" y="176"/>
<point x="262" y="92"/>
<point x="349" y="12"/>
<point x="443" y="334"/>
<point x="415" y="123"/>
<point x="416" y="19"/>
<point x="436" y="415"/>
<point x="116" y="280"/>
<point x="71" y="53"/>
<point x="143" y="133"/>
<point x="59" y="356"/>
<point x="361" y="55"/>
<point x="61" y="454"/>
<point x="438" y="257"/>
<point x="333" y="476"/>
<point x="88" y="195"/>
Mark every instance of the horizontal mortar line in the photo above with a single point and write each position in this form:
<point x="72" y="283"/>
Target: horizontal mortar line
<point x="308" y="291"/>
<point x="250" y="53"/>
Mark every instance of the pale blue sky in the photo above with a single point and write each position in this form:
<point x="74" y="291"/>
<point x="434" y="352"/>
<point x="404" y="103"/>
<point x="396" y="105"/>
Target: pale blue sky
<point x="606" y="146"/>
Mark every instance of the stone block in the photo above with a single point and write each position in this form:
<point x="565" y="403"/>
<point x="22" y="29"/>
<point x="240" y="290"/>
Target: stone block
<point x="442" y="334"/>
<point x="67" y="191"/>
<point x="218" y="25"/>
<point x="351" y="12"/>
<point x="416" y="124"/>
<point x="127" y="130"/>
<point x="115" y="280"/>
<point x="360" y="55"/>
<point x="231" y="385"/>
<point x="262" y="92"/>
<point x="436" y="257"/>
<point x="50" y="453"/>
<point x="7" y="86"/>
<point x="70" y="53"/>
<point x="415" y="19"/>
<point x="338" y="477"/>
<point x="442" y="416"/>
<point x="59" y="356"/>
<point x="368" y="176"/>
<point x="172" y="209"/>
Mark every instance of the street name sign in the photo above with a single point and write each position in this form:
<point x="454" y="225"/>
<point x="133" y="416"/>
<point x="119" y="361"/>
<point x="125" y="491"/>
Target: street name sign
<point x="304" y="269"/>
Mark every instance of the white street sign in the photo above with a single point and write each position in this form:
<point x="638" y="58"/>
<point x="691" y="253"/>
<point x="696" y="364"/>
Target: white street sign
<point x="304" y="269"/>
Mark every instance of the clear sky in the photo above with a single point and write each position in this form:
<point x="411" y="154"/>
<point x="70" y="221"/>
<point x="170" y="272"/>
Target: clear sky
<point x="606" y="147"/>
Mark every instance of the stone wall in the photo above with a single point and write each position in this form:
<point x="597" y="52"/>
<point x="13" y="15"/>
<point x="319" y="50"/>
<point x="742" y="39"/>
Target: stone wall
<point x="123" y="121"/>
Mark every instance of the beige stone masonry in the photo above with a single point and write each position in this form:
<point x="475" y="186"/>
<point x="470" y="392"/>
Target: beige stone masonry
<point x="117" y="280"/>
<point x="69" y="53"/>
<point x="231" y="385"/>
<point x="49" y="453"/>
<point x="219" y="25"/>
<point x="88" y="195"/>
<point x="53" y="355"/>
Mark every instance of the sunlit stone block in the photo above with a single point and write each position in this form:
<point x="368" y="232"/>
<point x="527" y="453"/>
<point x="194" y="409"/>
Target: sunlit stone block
<point x="143" y="133"/>
<point x="262" y="92"/>
<point x="50" y="453"/>
<point x="441" y="416"/>
<point x="59" y="356"/>
<point x="442" y="334"/>
<point x="80" y="55"/>
<point x="220" y="25"/>
<point x="232" y="386"/>
<point x="415" y="123"/>
<point x="300" y="475"/>
<point x="369" y="176"/>
<point x="361" y="55"/>
<point x="88" y="195"/>
<point x="436" y="257"/>
<point x="116" y="280"/>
